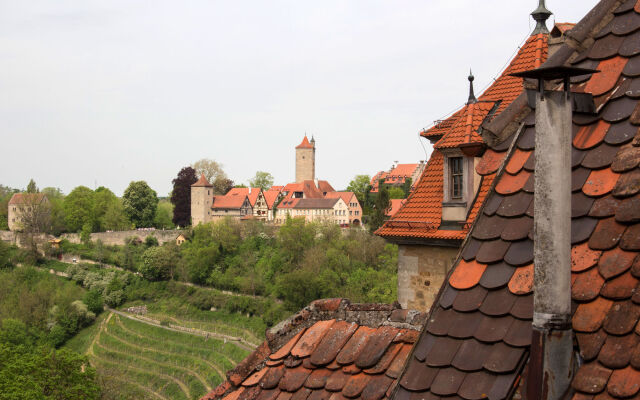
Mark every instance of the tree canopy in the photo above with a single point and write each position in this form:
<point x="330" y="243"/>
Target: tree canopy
<point x="262" y="180"/>
<point x="140" y="204"/>
<point x="31" y="187"/>
<point x="181" y="196"/>
<point x="360" y="186"/>
<point x="79" y="208"/>
<point x="215" y="174"/>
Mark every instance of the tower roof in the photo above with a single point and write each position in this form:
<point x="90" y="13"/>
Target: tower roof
<point x="202" y="182"/>
<point x="305" y="144"/>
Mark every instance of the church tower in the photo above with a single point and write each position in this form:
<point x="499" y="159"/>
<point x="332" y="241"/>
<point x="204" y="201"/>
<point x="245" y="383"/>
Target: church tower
<point x="201" y="201"/>
<point x="306" y="160"/>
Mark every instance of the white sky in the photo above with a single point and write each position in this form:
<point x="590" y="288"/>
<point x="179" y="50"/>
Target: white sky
<point x="112" y="91"/>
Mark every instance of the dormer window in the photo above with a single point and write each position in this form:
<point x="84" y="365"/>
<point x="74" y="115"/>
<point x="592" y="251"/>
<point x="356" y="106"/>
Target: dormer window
<point x="456" y="174"/>
<point x="461" y="184"/>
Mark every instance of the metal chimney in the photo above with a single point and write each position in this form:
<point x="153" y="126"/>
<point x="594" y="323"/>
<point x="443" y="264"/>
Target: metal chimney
<point x="551" y="362"/>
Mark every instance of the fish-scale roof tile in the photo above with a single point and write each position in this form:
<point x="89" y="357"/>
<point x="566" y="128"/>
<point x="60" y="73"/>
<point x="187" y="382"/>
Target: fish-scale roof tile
<point x="605" y="260"/>
<point x="328" y="351"/>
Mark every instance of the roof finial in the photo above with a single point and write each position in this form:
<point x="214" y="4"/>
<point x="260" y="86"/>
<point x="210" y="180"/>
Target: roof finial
<point x="541" y="14"/>
<point x="313" y="140"/>
<point x="472" y="97"/>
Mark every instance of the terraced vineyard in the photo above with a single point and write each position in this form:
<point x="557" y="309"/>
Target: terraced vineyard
<point x="139" y="360"/>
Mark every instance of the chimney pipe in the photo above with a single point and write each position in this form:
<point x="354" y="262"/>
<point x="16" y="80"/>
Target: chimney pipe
<point x="551" y="362"/>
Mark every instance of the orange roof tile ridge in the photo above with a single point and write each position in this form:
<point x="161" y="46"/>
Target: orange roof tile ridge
<point x="372" y="315"/>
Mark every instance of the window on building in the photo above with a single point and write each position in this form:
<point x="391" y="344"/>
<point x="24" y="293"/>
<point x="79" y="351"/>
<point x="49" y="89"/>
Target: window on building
<point x="456" y="174"/>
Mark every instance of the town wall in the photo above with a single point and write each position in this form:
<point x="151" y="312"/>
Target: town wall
<point x="421" y="272"/>
<point x="119" y="237"/>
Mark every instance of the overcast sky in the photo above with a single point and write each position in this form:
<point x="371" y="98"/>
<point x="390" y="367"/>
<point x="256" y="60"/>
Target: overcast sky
<point x="107" y="92"/>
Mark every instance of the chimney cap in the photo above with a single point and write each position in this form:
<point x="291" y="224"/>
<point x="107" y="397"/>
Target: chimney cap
<point x="552" y="73"/>
<point x="541" y="14"/>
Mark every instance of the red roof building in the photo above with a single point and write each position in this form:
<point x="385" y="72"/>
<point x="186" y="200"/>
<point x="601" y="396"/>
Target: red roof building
<point x="331" y="349"/>
<point x="477" y="342"/>
<point x="397" y="176"/>
<point x="430" y="226"/>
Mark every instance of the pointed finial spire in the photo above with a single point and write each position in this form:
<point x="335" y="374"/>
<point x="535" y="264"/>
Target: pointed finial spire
<point x="472" y="97"/>
<point x="541" y="14"/>
<point x="313" y="140"/>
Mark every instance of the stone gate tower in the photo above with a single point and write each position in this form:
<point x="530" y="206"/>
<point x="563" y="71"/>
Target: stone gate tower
<point x="201" y="201"/>
<point x="306" y="160"/>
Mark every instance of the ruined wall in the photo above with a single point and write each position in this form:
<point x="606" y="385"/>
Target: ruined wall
<point x="119" y="237"/>
<point x="421" y="271"/>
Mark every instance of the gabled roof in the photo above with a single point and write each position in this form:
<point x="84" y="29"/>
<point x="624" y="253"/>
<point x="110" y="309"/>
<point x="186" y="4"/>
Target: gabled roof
<point x="271" y="196"/>
<point x="311" y="191"/>
<point x="325" y="187"/>
<point x="202" y="182"/>
<point x="420" y="217"/>
<point x="331" y="349"/>
<point x="477" y="339"/>
<point x="345" y="196"/>
<point x="26" y="198"/>
<point x="397" y="175"/>
<point x="251" y="193"/>
<point x="305" y="144"/>
<point x="233" y="201"/>
<point x="315" y="203"/>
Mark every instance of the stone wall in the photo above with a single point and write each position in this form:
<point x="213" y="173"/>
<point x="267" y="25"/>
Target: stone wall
<point x="119" y="237"/>
<point x="421" y="271"/>
<point x="305" y="164"/>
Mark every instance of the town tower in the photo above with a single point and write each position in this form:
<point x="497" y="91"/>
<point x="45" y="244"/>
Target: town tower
<point x="201" y="201"/>
<point x="306" y="160"/>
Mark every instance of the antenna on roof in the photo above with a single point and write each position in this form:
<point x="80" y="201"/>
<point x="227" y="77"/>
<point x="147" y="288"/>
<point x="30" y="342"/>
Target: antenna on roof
<point x="541" y="14"/>
<point x="472" y="97"/>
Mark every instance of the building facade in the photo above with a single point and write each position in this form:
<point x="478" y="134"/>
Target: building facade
<point x="26" y="206"/>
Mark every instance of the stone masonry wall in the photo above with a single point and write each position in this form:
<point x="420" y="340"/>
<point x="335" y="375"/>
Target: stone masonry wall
<point x="421" y="271"/>
<point x="305" y="164"/>
<point x="119" y="237"/>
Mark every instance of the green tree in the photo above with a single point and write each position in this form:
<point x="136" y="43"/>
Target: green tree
<point x="406" y="187"/>
<point x="31" y="187"/>
<point x="378" y="215"/>
<point x="56" y="200"/>
<point x="262" y="180"/>
<point x="78" y="208"/>
<point x="103" y="200"/>
<point x="140" y="204"/>
<point x="114" y="218"/>
<point x="159" y="263"/>
<point x="396" y="193"/>
<point x="360" y="186"/>
<point x="164" y="215"/>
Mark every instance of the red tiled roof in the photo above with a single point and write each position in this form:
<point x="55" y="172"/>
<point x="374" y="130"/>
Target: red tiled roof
<point x="561" y="27"/>
<point x="345" y="196"/>
<point x="251" y="193"/>
<point x="305" y="144"/>
<point x="316" y="203"/>
<point x="396" y="175"/>
<point x="421" y="215"/>
<point x="477" y="340"/>
<point x="327" y="351"/>
<point x="23" y="198"/>
<point x="311" y="191"/>
<point x="270" y="196"/>
<point x="395" y="205"/>
<point x="202" y="182"/>
<point x="228" y="201"/>
<point x="325" y="187"/>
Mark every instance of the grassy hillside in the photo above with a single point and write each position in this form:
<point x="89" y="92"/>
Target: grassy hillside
<point x="138" y="360"/>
